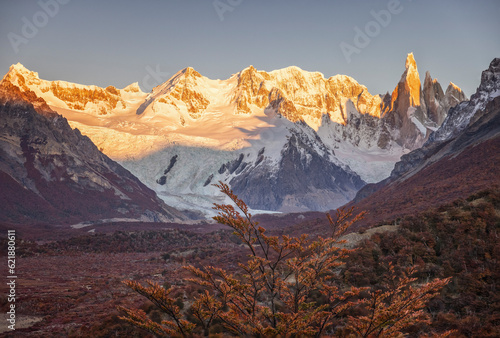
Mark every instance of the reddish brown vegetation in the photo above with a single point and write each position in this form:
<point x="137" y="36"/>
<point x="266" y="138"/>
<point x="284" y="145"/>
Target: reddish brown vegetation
<point x="75" y="284"/>
<point x="287" y="287"/>
<point x="475" y="169"/>
<point x="460" y="241"/>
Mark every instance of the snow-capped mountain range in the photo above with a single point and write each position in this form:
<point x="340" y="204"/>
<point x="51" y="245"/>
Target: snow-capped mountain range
<point x="285" y="140"/>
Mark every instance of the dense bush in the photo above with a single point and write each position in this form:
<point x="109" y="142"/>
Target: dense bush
<point x="461" y="241"/>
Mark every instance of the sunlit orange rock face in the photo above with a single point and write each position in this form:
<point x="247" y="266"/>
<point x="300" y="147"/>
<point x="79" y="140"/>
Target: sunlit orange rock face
<point x="412" y="80"/>
<point x="186" y="91"/>
<point x="251" y="90"/>
<point x="76" y="97"/>
<point x="407" y="92"/>
<point x="406" y="95"/>
<point x="307" y="96"/>
<point x="292" y="92"/>
<point x="296" y="94"/>
<point x="12" y="95"/>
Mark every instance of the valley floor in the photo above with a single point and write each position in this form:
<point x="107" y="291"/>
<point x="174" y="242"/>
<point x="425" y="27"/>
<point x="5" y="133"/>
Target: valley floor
<point x="72" y="286"/>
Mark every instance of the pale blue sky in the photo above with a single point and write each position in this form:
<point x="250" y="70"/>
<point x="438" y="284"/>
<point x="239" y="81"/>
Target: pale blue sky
<point x="120" y="41"/>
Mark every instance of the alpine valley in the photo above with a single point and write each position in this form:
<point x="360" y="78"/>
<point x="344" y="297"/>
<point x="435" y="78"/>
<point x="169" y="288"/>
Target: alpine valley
<point x="105" y="185"/>
<point x="286" y="140"/>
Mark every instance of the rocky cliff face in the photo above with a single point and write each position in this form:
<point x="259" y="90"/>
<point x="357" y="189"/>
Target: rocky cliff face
<point x="416" y="111"/>
<point x="52" y="174"/>
<point x="439" y="103"/>
<point x="435" y="100"/>
<point x="407" y="92"/>
<point x="460" y="116"/>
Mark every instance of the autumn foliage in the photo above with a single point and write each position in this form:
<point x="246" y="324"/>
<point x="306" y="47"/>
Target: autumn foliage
<point x="457" y="240"/>
<point x="288" y="286"/>
<point x="400" y="305"/>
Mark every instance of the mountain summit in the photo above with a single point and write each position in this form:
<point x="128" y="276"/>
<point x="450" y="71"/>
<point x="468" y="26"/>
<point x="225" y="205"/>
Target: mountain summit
<point x="283" y="139"/>
<point x="410" y="81"/>
<point x="407" y="92"/>
<point x="417" y="111"/>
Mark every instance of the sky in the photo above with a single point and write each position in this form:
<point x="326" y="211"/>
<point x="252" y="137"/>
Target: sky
<point x="118" y="42"/>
